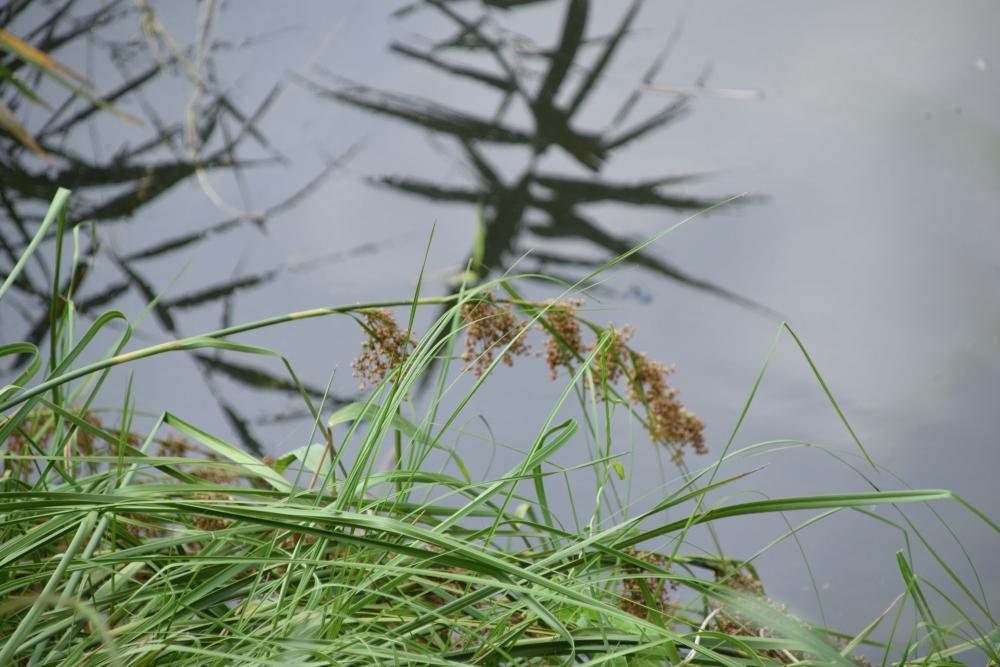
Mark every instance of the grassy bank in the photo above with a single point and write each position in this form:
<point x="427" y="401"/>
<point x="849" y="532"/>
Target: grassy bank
<point x="167" y="545"/>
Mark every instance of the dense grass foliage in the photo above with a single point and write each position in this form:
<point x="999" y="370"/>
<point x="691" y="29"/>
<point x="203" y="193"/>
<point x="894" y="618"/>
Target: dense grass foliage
<point x="171" y="546"/>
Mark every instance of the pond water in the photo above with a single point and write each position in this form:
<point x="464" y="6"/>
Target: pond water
<point x="866" y="137"/>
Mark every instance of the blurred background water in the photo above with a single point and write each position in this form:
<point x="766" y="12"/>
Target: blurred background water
<point x="297" y="155"/>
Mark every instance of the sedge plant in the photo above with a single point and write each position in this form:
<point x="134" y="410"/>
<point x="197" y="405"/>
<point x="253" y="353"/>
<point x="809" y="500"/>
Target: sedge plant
<point x="164" y="544"/>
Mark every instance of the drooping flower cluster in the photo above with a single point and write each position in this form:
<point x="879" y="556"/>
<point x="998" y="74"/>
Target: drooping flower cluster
<point x="491" y="327"/>
<point x="608" y="363"/>
<point x="668" y="419"/>
<point x="175" y="446"/>
<point x="565" y="339"/>
<point x="386" y="347"/>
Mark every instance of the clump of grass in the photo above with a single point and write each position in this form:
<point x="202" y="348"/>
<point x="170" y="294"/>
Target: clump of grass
<point x="164" y="544"/>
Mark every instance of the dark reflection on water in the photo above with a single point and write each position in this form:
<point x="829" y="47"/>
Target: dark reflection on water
<point x="534" y="205"/>
<point x="211" y="138"/>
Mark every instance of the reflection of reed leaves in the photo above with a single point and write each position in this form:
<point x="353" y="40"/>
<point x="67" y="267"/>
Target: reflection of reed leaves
<point x="651" y="72"/>
<point x="134" y="175"/>
<point x="249" y="124"/>
<point x="496" y="4"/>
<point x="282" y="417"/>
<point x="571" y="192"/>
<point x="218" y="292"/>
<point x="257" y="378"/>
<point x="181" y="242"/>
<point x="547" y="258"/>
<point x="552" y="123"/>
<point x="165" y="136"/>
<point x="597" y="69"/>
<point x="149" y="295"/>
<point x="50" y="39"/>
<point x="469" y="36"/>
<point x="487" y="174"/>
<point x="160" y="179"/>
<point x="507" y="204"/>
<point x="565" y="224"/>
<point x="11" y="10"/>
<point x="102" y="298"/>
<point x="147" y="183"/>
<point x="242" y="427"/>
<point x="574" y="26"/>
<point x="11" y="210"/>
<point x="511" y="4"/>
<point x="129" y="86"/>
<point x="425" y="113"/>
<point x="670" y="114"/>
<point x="430" y="190"/>
<point x="91" y="175"/>
<point x="486" y="78"/>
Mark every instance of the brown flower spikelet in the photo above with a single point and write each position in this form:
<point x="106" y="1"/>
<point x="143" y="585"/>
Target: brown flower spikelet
<point x="386" y="347"/>
<point x="609" y="362"/>
<point x="561" y="350"/>
<point x="176" y="446"/>
<point x="491" y="327"/>
<point x="668" y="419"/>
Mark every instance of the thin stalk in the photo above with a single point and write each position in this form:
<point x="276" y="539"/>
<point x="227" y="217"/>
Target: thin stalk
<point x="205" y="340"/>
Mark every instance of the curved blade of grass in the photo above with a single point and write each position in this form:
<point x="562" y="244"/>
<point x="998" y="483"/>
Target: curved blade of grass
<point x="58" y="204"/>
<point x="832" y="501"/>
<point x="16" y="349"/>
<point x="251" y="464"/>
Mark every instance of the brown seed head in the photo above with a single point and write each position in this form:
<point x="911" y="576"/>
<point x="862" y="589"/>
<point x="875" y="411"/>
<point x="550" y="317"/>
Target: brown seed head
<point x="610" y="362"/>
<point x="565" y="338"/>
<point x="491" y="327"/>
<point x="668" y="419"/>
<point x="385" y="349"/>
